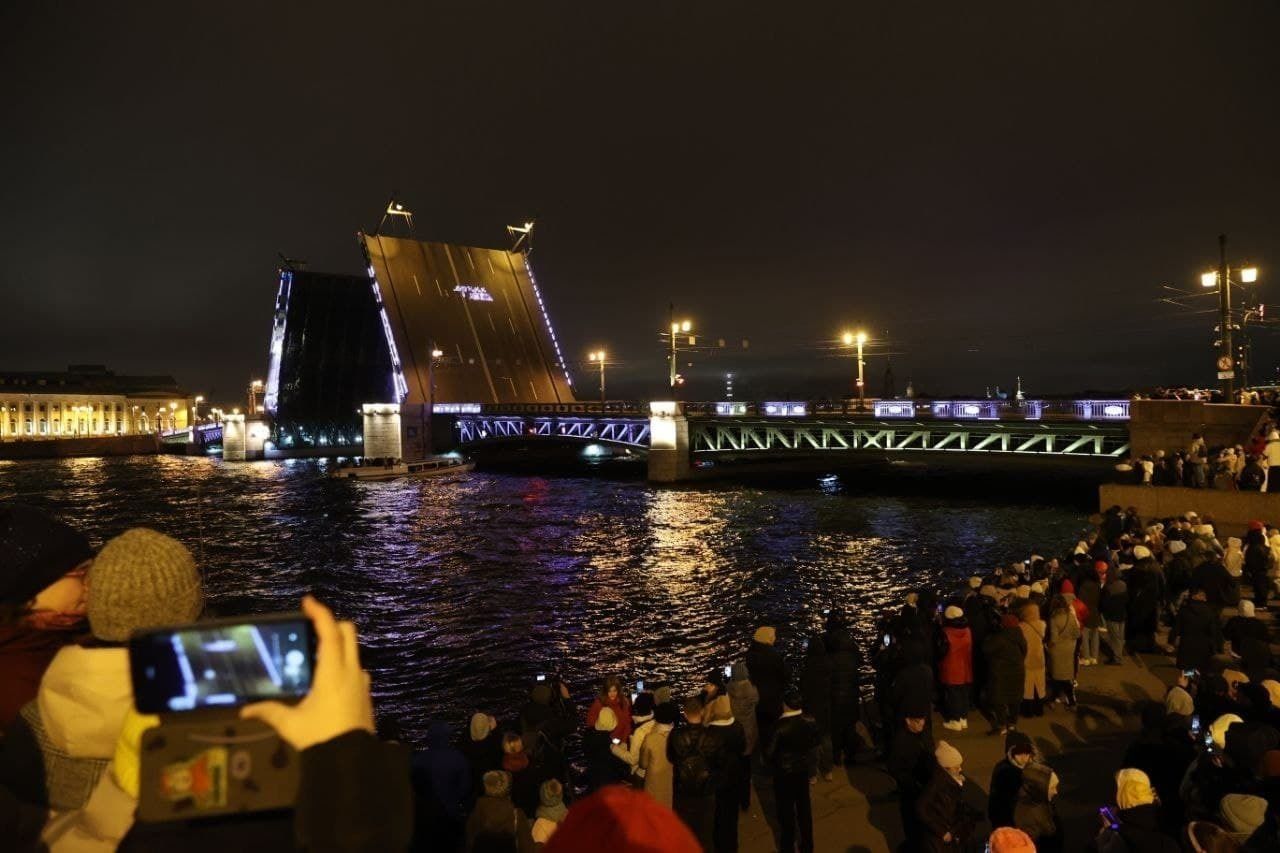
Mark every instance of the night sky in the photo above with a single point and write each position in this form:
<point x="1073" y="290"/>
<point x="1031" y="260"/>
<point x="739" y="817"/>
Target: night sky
<point x="1003" y="187"/>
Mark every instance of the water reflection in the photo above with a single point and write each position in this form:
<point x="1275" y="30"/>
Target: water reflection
<point x="464" y="590"/>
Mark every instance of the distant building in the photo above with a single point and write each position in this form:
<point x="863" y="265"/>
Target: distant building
<point x="88" y="399"/>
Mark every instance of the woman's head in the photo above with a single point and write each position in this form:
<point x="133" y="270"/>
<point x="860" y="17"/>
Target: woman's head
<point x="512" y="743"/>
<point x="611" y="689"/>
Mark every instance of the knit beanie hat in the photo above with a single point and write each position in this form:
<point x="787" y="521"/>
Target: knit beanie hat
<point x="621" y="818"/>
<point x="953" y="612"/>
<point x="142" y="579"/>
<point x="948" y="756"/>
<point x="36" y="549"/>
<point x="975" y="582"/>
<point x="551" y="800"/>
<point x="1023" y="591"/>
<point x="1234" y="676"/>
<point x="766" y="634"/>
<point x="1242" y="814"/>
<point x="607" y="721"/>
<point x="989" y="591"/>
<point x="1133" y="788"/>
<point x="481" y="725"/>
<point x="1009" y="839"/>
<point x="1219" y="729"/>
<point x="1179" y="701"/>
<point x="1067" y="588"/>
<point x="1039" y="587"/>
<point x="497" y="783"/>
<point x="1246" y="609"/>
<point x="1140" y="552"/>
<point x="1273" y="691"/>
<point x="1177" y="546"/>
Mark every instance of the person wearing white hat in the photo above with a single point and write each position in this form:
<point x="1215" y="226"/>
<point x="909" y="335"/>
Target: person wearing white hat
<point x="955" y="668"/>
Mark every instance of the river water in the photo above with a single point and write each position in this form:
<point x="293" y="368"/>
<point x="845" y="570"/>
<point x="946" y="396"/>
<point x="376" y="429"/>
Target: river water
<point x="464" y="590"/>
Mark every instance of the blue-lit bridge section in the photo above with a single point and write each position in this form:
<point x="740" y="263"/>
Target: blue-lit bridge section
<point x="480" y="428"/>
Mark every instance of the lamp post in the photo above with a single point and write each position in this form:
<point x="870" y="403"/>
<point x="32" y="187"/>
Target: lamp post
<point x="860" y="339"/>
<point x="678" y="328"/>
<point x="1221" y="278"/>
<point x="599" y="357"/>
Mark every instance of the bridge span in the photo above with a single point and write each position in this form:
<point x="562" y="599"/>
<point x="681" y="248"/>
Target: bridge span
<point x="683" y="437"/>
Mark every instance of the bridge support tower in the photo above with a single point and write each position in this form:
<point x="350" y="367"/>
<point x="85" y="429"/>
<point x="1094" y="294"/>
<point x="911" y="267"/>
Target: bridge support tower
<point x="669" y="458"/>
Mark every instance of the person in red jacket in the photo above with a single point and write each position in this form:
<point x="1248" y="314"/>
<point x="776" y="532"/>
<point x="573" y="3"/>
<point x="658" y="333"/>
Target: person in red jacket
<point x="1068" y="591"/>
<point x="612" y="696"/>
<point x="955" y="668"/>
<point x="42" y="599"/>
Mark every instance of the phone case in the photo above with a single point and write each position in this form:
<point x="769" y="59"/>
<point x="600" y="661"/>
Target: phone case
<point x="199" y="768"/>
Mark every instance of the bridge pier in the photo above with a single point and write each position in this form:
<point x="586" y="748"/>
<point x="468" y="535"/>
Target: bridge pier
<point x="669" y="457"/>
<point x="235" y="440"/>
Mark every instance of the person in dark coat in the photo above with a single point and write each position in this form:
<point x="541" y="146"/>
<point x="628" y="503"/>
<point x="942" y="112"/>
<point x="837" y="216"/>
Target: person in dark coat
<point x="1115" y="614"/>
<point x="1163" y="750"/>
<point x="845" y="662"/>
<point x="443" y="787"/>
<point x="789" y="755"/>
<point x="1089" y="591"/>
<point x="482" y="747"/>
<point x="1197" y="632"/>
<point x="603" y="767"/>
<point x="1214" y="580"/>
<point x="910" y="762"/>
<point x="815" y="687"/>
<point x="693" y="758"/>
<point x="728" y="746"/>
<point x="1250" y="641"/>
<point x="1005" y="651"/>
<point x="1035" y="813"/>
<point x="1145" y="599"/>
<point x="1006" y="779"/>
<point x="913" y="687"/>
<point x="946" y="821"/>
<point x="768" y="672"/>
<point x="1257" y="560"/>
<point x="1138" y="819"/>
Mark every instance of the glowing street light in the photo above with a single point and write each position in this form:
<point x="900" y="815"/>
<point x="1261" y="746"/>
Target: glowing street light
<point x="1221" y="278"/>
<point x="860" y="338"/>
<point x="599" y="357"/>
<point x="678" y="328"/>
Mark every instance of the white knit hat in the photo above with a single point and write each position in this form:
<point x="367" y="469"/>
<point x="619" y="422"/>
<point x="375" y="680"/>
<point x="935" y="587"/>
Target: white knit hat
<point x="947" y="755"/>
<point x="953" y="612"/>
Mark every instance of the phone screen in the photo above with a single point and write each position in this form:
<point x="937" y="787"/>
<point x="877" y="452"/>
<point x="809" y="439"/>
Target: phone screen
<point x="222" y="663"/>
<point x="542" y="677"/>
<point x="1195" y="724"/>
<point x="728" y="671"/>
<point x="887" y="638"/>
<point x="640" y="686"/>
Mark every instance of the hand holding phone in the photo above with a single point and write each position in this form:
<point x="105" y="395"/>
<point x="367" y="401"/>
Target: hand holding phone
<point x="339" y="701"/>
<point x="728" y="670"/>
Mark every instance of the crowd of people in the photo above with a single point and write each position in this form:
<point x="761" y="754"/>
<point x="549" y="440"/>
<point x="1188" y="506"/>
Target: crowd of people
<point x="643" y="766"/>
<point x="1200" y="466"/>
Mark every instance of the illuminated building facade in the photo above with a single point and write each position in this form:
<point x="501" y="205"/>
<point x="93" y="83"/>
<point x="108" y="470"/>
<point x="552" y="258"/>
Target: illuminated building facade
<point x="89" y="400"/>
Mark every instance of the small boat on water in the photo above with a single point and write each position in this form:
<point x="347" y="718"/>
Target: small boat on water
<point x="373" y="469"/>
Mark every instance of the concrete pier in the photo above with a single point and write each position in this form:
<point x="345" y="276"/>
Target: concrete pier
<point x="669" y="458"/>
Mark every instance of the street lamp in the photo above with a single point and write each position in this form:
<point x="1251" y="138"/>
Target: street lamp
<point x="682" y="327"/>
<point x="1221" y="278"/>
<point x="860" y="339"/>
<point x="599" y="357"/>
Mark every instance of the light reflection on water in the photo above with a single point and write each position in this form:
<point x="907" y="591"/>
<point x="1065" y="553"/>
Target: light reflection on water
<point x="464" y="590"/>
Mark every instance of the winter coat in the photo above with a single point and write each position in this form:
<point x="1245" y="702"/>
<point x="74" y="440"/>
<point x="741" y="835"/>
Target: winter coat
<point x="1250" y="640"/>
<point x="621" y="707"/>
<point x="770" y="675"/>
<point x="443" y="773"/>
<point x="815" y="687"/>
<point x="1091" y="594"/>
<point x="790" y="750"/>
<point x="1139" y="832"/>
<point x="730" y="746"/>
<point x="910" y="760"/>
<point x="956" y="665"/>
<point x="1034" y="814"/>
<point x="1005" y="653"/>
<point x="482" y="756"/>
<point x="942" y="811"/>
<point x="693" y="760"/>
<point x="658" y="773"/>
<point x="25" y="654"/>
<point x="913" y="685"/>
<point x="1006" y="782"/>
<point x="1212" y="577"/>
<point x="845" y="662"/>
<point x="1033" y="683"/>
<point x="1198" y="633"/>
<point x="743" y="699"/>
<point x="495" y="818"/>
<point x="1115" y="601"/>
<point x="603" y="767"/>
<point x="1062" y="633"/>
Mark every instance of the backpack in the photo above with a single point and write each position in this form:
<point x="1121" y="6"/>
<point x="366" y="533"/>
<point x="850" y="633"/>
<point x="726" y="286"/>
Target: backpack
<point x="692" y="768"/>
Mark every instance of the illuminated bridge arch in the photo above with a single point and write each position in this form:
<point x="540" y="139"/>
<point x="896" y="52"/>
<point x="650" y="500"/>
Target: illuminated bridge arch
<point x="480" y="428"/>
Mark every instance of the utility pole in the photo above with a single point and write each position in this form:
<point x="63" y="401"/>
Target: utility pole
<point x="1226" y="351"/>
<point x="671" y="318"/>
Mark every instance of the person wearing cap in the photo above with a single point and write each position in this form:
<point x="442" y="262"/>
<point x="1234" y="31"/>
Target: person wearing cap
<point x="1243" y="815"/>
<point x="910" y="762"/>
<point x="1197" y="632"/>
<point x="603" y="767"/>
<point x="730" y="746"/>
<point x="1250" y="641"/>
<point x="1257" y="561"/>
<point x="1089" y="594"/>
<point x="1114" y="608"/>
<point x="443" y="787"/>
<point x="1010" y="839"/>
<point x="955" y="668"/>
<point x="815" y="687"/>
<point x="789" y="755"/>
<point x="612" y="696"/>
<point x="140" y="579"/>
<point x="658" y="773"/>
<point x="1006" y="778"/>
<point x="42" y="599"/>
<point x="692" y="754"/>
<point x="1138" y="817"/>
<point x="1060" y="639"/>
<point x="946" y="819"/>
<point x="1005" y="652"/>
<point x="743" y="699"/>
<point x="482" y="747"/>
<point x="495" y="822"/>
<point x="846" y="662"/>
<point x="1035" y="813"/>
<point x="642" y="719"/>
<point x="770" y="674"/>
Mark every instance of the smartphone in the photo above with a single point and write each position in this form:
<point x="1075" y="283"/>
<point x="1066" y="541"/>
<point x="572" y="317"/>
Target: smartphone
<point x="541" y="677"/>
<point x="1188" y="673"/>
<point x="640" y="686"/>
<point x="1109" y="816"/>
<point x="1195" y="724"/>
<point x="826" y="612"/>
<point x="887" y="639"/>
<point x="728" y="670"/>
<point x="222" y="663"/>
<point x="616" y="741"/>
<point x="1208" y="741"/>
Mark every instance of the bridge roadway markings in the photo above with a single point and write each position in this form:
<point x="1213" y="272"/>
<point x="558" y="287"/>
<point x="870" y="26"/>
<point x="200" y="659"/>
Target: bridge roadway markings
<point x="755" y="434"/>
